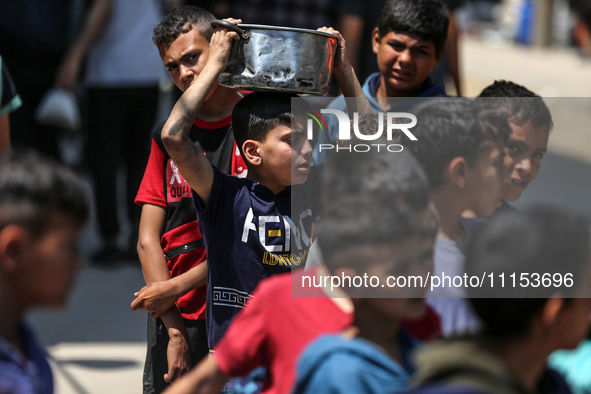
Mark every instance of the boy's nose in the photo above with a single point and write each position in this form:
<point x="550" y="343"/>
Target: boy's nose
<point x="405" y="56"/>
<point x="186" y="72"/>
<point x="307" y="150"/>
<point x="524" y="166"/>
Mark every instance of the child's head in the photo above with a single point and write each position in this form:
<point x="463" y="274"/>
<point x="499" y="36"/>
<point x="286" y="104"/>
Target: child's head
<point x="377" y="222"/>
<point x="462" y="148"/>
<point x="371" y="235"/>
<point x="409" y="42"/>
<point x="262" y="126"/>
<point x="42" y="208"/>
<point x="545" y="241"/>
<point x="530" y="122"/>
<point x="398" y="175"/>
<point x="183" y="39"/>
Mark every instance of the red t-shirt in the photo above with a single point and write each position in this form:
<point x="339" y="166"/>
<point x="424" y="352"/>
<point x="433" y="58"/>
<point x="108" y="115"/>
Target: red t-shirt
<point x="163" y="185"/>
<point x="274" y="328"/>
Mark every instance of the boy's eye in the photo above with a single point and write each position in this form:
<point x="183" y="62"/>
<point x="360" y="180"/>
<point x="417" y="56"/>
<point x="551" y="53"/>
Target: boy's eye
<point x="512" y="148"/>
<point x="192" y="57"/>
<point x="294" y="138"/>
<point x="538" y="155"/>
<point x="422" y="51"/>
<point x="171" y="68"/>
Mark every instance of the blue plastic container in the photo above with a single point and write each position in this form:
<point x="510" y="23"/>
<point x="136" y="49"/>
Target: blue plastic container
<point x="525" y="31"/>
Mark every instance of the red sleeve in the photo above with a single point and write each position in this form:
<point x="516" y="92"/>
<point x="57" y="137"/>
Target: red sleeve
<point x="151" y="189"/>
<point x="244" y="345"/>
<point x="426" y="327"/>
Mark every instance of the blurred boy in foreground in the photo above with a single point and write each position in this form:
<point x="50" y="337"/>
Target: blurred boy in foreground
<point x="548" y="248"/>
<point x="42" y="208"/>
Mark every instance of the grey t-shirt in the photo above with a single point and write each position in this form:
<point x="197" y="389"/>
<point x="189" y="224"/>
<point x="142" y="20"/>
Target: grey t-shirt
<point x="455" y="312"/>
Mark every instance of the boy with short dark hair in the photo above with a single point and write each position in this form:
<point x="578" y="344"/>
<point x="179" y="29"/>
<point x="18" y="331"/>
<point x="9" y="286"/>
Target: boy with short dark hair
<point x="518" y="334"/>
<point x="42" y="208"/>
<point x="409" y="42"/>
<point x="461" y="150"/>
<point x="531" y="122"/>
<point x="170" y="246"/>
<point x="362" y="235"/>
<point x="261" y="225"/>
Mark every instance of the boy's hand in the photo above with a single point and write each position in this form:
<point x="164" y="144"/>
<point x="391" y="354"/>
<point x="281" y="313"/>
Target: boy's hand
<point x="220" y="44"/>
<point x="340" y="59"/>
<point x="345" y="76"/>
<point x="157" y="297"/>
<point x="178" y="355"/>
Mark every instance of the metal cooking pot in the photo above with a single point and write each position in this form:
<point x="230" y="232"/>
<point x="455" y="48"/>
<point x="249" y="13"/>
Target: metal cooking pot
<point x="271" y="58"/>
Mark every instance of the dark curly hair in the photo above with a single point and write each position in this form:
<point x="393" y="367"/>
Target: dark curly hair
<point x="427" y="19"/>
<point x="181" y="21"/>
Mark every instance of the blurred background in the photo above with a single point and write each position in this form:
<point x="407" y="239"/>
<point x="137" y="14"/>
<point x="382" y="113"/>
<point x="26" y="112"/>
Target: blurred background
<point x="97" y="343"/>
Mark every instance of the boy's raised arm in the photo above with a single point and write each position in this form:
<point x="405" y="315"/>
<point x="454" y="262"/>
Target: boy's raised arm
<point x="190" y="160"/>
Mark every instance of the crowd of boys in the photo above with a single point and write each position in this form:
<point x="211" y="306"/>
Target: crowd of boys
<point x="232" y="207"/>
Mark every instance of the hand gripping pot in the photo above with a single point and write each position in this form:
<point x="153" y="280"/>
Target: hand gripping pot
<point x="271" y="58"/>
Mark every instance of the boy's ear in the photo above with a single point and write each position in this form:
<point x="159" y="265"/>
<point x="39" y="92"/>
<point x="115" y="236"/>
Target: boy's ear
<point x="13" y="241"/>
<point x="375" y="40"/>
<point x="456" y="171"/>
<point x="439" y="55"/>
<point x="551" y="310"/>
<point x="250" y="148"/>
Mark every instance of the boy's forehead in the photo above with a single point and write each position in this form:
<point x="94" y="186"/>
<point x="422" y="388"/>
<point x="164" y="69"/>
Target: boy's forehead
<point x="281" y="130"/>
<point x="408" y="38"/>
<point x="58" y="218"/>
<point x="195" y="33"/>
<point x="527" y="129"/>
<point x="53" y="221"/>
<point x="190" y="40"/>
<point x="299" y="122"/>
